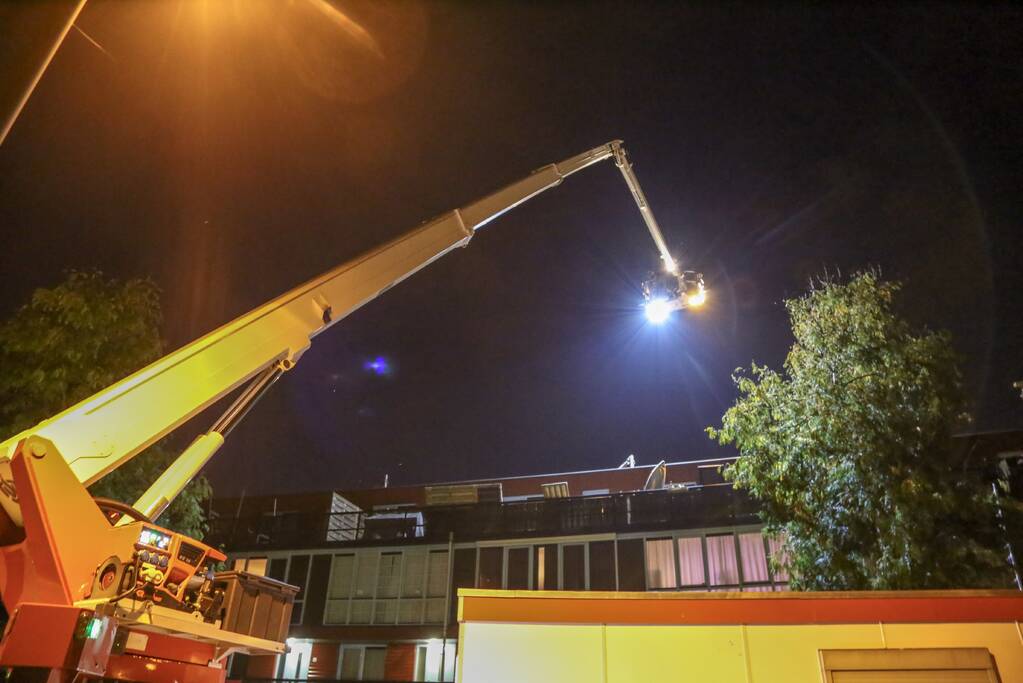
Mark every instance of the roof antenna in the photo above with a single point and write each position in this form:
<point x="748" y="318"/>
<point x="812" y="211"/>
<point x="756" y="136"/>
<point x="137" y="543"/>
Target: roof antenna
<point x="629" y="462"/>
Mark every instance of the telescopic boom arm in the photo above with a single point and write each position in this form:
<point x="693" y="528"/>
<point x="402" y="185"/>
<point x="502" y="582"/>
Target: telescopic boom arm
<point x="103" y="432"/>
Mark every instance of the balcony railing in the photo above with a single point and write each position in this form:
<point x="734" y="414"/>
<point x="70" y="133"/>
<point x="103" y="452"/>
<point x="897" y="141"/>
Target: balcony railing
<point x="698" y="507"/>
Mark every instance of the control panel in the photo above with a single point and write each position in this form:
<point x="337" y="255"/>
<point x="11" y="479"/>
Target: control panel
<point x="174" y="571"/>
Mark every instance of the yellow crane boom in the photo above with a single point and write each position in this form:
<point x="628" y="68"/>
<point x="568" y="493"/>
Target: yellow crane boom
<point x="106" y="430"/>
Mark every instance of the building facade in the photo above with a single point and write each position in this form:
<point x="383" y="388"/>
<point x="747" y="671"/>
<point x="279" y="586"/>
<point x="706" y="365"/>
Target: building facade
<point x="379" y="569"/>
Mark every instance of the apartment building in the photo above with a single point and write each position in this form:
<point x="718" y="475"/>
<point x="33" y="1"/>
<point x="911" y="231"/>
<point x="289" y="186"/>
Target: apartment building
<point x="379" y="569"/>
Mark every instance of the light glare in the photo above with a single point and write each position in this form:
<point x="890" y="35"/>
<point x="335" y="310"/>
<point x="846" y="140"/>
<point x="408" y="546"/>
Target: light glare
<point x="657" y="310"/>
<point x="698" y="299"/>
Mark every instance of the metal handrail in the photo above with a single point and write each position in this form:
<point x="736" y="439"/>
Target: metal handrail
<point x="696" y="507"/>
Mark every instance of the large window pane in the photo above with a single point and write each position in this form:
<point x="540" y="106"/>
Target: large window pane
<point x="690" y="562"/>
<point x="386" y="611"/>
<point x="491" y="560"/>
<point x="298" y="572"/>
<point x="463" y="575"/>
<point x="341" y="575"/>
<point x="256" y="565"/>
<point x="518" y="568"/>
<point x="410" y="611"/>
<point x="435" y="610"/>
<point x="373" y="664"/>
<point x="631" y="568"/>
<point x="351" y="660"/>
<point x="660" y="563"/>
<point x="361" y="611"/>
<point x="602" y="565"/>
<point x="545" y="567"/>
<point x="278" y="567"/>
<point x="754" y="559"/>
<point x="337" y="612"/>
<point x="365" y="574"/>
<point x="415" y="575"/>
<point x="574" y="573"/>
<point x="388" y="575"/>
<point x="437" y="581"/>
<point x="721" y="561"/>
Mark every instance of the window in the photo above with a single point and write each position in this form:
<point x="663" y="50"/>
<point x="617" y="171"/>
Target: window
<point x="360" y="663"/>
<point x="413" y="584"/>
<point x="963" y="665"/>
<point x="388" y="575"/>
<point x="491" y="560"/>
<point x="437" y="587"/>
<point x="602" y="565"/>
<point x="361" y="610"/>
<point x="690" y="562"/>
<point x="709" y="474"/>
<point x="374" y="587"/>
<point x="754" y="558"/>
<point x="463" y="575"/>
<point x="298" y="575"/>
<point x="545" y="567"/>
<point x="437" y="582"/>
<point x="351" y="663"/>
<point x="721" y="561"/>
<point x="342" y="573"/>
<point x="518" y="569"/>
<point x="252" y="565"/>
<point x="341" y="577"/>
<point x="388" y="583"/>
<point x="278" y="568"/>
<point x="573" y="559"/>
<point x="631" y="569"/>
<point x="373" y="663"/>
<point x="660" y="563"/>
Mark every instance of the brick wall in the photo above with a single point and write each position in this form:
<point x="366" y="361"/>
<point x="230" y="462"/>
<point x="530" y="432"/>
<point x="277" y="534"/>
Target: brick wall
<point x="262" y="667"/>
<point x="400" y="664"/>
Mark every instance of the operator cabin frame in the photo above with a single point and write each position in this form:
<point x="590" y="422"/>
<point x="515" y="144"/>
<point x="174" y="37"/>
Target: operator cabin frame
<point x="53" y="535"/>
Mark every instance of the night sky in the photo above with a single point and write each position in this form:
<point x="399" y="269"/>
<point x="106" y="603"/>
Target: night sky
<point x="233" y="150"/>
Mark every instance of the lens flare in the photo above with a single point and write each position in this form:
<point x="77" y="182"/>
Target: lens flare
<point x="657" y="310"/>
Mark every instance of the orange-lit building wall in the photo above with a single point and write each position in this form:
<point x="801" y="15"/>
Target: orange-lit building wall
<point x="649" y="638"/>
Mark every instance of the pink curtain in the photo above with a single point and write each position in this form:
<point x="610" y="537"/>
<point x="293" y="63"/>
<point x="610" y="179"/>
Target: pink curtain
<point x="690" y="562"/>
<point x="754" y="559"/>
<point x="721" y="561"/>
<point x="660" y="564"/>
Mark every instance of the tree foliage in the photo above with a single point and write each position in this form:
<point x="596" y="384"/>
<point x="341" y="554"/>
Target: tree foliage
<point x="849" y="450"/>
<point x="73" y="340"/>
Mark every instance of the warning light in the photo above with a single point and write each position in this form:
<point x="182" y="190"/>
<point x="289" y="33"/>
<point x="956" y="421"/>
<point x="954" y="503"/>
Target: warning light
<point x="94" y="629"/>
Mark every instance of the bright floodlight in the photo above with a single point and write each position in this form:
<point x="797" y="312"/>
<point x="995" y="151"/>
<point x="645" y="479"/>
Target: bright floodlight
<point x="657" y="310"/>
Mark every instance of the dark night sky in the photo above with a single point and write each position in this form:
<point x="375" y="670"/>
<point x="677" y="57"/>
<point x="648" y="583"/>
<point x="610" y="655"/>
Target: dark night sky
<point x="233" y="150"/>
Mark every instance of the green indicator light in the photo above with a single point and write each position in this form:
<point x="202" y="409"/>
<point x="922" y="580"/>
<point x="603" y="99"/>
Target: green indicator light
<point x="94" y="628"/>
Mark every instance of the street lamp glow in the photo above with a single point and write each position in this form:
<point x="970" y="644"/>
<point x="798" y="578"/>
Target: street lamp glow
<point x="657" y="310"/>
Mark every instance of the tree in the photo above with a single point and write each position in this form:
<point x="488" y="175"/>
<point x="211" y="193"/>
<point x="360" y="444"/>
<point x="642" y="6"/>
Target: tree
<point x="73" y="340"/>
<point x="849" y="450"/>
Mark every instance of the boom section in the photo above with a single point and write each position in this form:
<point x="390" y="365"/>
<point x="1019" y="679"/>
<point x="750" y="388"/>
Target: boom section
<point x="104" y="431"/>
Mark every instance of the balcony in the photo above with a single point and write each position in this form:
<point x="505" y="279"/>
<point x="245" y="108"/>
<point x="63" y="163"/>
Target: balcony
<point x="697" y="507"/>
